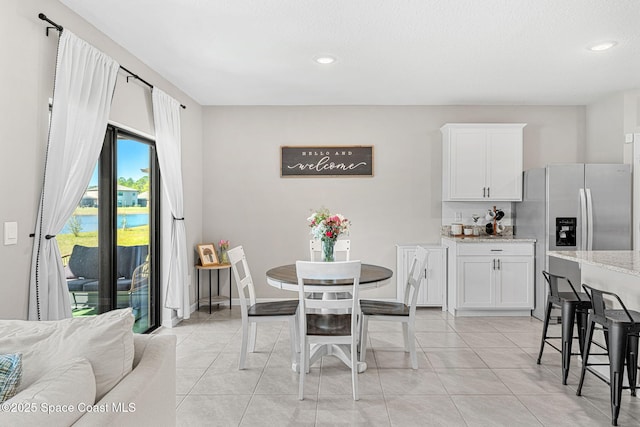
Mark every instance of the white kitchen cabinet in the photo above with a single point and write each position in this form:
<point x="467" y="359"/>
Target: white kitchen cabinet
<point x="432" y="290"/>
<point x="476" y="287"/>
<point x="514" y="282"/>
<point x="490" y="278"/>
<point x="482" y="161"/>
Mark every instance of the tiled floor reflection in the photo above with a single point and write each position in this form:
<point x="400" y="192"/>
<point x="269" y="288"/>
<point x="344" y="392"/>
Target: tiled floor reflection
<point x="472" y="372"/>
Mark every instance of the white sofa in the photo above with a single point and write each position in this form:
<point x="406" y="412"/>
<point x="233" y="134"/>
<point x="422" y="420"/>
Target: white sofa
<point x="90" y="371"/>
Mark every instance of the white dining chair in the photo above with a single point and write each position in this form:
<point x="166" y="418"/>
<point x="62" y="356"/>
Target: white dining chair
<point x="254" y="313"/>
<point x="404" y="312"/>
<point x="324" y="321"/>
<point x="341" y="249"/>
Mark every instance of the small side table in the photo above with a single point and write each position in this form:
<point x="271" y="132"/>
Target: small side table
<point x="213" y="299"/>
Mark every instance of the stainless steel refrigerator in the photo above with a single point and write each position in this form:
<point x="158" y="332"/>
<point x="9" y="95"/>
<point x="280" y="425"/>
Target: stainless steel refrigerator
<point x="573" y="207"/>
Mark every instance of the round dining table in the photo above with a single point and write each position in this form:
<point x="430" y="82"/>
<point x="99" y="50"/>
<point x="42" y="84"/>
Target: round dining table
<point x="285" y="277"/>
<point x="371" y="276"/>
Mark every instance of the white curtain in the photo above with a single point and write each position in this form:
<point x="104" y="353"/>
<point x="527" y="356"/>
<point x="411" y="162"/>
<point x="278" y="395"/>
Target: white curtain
<point x="166" y="119"/>
<point x="84" y="83"/>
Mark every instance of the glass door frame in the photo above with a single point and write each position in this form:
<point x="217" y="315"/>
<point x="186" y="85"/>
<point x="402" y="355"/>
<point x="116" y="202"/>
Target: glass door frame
<point x="107" y="224"/>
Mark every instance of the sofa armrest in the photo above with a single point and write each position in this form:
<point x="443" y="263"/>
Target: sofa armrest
<point x="147" y="396"/>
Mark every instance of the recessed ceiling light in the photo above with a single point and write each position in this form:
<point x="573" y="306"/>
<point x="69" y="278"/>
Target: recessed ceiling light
<point x="600" y="46"/>
<point x="324" y="60"/>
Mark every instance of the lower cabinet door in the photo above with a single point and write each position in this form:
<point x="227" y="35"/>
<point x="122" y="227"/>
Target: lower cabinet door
<point x="433" y="282"/>
<point x="514" y="282"/>
<point x="475" y="281"/>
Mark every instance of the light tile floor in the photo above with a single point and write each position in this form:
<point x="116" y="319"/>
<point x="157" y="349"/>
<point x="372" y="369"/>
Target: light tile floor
<point x="472" y="372"/>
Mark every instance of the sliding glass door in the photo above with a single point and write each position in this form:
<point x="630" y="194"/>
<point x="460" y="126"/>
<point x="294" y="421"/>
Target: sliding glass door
<point x="110" y="244"/>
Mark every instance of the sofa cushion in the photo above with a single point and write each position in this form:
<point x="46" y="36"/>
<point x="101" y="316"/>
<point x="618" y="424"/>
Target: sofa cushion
<point x="84" y="262"/>
<point x="92" y="285"/>
<point x="105" y="340"/>
<point x="130" y="257"/>
<point x="78" y="285"/>
<point x="10" y="375"/>
<point x="59" y="398"/>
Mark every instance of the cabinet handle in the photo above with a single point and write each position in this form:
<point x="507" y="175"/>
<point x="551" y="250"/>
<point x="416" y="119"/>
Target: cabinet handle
<point x="484" y="191"/>
<point x="494" y="263"/>
<point x="488" y="191"/>
<point x="496" y="250"/>
<point x="425" y="273"/>
<point x="499" y="264"/>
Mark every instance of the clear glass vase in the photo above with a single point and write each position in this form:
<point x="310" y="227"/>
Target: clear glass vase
<point x="224" y="257"/>
<point x="327" y="250"/>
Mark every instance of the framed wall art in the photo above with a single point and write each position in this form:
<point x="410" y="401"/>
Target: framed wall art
<point x="328" y="161"/>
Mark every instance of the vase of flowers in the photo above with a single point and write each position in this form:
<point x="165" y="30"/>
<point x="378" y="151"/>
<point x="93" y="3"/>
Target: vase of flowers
<point x="224" y="247"/>
<point x="328" y="227"/>
<point x="327" y="250"/>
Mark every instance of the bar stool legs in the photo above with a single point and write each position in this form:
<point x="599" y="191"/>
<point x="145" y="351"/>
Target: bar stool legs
<point x="621" y="328"/>
<point x="617" y="353"/>
<point x="547" y="315"/>
<point x="574" y="306"/>
<point x="568" y="316"/>
<point x="570" y="312"/>
<point x="632" y="360"/>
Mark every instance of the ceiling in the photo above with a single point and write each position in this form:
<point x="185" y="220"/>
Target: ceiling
<point x="389" y="52"/>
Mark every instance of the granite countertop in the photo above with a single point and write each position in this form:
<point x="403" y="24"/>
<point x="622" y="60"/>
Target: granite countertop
<point x="488" y="239"/>
<point x="627" y="262"/>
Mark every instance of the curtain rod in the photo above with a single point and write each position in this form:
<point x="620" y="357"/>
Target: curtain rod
<point x="132" y="74"/>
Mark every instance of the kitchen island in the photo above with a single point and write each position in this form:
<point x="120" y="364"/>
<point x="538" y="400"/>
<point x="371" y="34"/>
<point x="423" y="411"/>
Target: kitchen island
<point x="613" y="271"/>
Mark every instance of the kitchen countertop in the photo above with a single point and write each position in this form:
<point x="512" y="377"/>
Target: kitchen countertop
<point x="627" y="262"/>
<point x="488" y="239"/>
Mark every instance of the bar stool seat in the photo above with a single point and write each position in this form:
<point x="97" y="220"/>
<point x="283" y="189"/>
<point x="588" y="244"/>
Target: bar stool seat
<point x="621" y="329"/>
<point x="574" y="305"/>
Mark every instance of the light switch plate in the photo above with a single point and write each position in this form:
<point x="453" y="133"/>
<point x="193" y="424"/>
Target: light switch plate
<point x="10" y="233"/>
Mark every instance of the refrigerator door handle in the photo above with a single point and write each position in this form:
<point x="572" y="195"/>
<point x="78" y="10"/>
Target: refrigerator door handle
<point x="590" y="220"/>
<point x="583" y="219"/>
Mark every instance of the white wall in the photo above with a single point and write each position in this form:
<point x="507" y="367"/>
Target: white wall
<point x="26" y="81"/>
<point x="247" y="202"/>
<point x="605" y="130"/>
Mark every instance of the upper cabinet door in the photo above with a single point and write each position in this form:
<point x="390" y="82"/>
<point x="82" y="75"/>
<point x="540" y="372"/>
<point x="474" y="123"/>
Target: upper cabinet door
<point x="504" y="166"/>
<point x="468" y="164"/>
<point x="482" y="162"/>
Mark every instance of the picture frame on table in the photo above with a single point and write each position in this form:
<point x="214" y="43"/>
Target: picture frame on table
<point x="208" y="254"/>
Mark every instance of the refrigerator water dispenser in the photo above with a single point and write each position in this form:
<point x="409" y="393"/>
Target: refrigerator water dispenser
<point x="566" y="231"/>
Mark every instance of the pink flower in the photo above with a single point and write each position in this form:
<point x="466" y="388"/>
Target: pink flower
<point x="329" y="234"/>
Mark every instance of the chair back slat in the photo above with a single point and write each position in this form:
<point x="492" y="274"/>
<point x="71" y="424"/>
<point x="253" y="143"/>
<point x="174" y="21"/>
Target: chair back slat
<point x="341" y="249"/>
<point x="242" y="274"/>
<point x="416" y="276"/>
<point x="340" y="270"/>
<point x="599" y="302"/>
<point x="552" y="281"/>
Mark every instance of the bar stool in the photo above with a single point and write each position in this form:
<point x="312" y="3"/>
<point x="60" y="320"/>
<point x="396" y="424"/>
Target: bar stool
<point x="621" y="328"/>
<point x="573" y="305"/>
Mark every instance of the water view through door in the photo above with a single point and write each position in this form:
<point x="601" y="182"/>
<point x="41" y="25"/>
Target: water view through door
<point x="108" y="250"/>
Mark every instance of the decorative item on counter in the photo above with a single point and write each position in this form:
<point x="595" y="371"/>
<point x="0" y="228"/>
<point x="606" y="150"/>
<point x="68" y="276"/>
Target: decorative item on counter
<point x="489" y="228"/>
<point x="224" y="247"/>
<point x="456" y="229"/>
<point x="468" y="231"/>
<point x="476" y="230"/>
<point x="327" y="228"/>
<point x="493" y="216"/>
